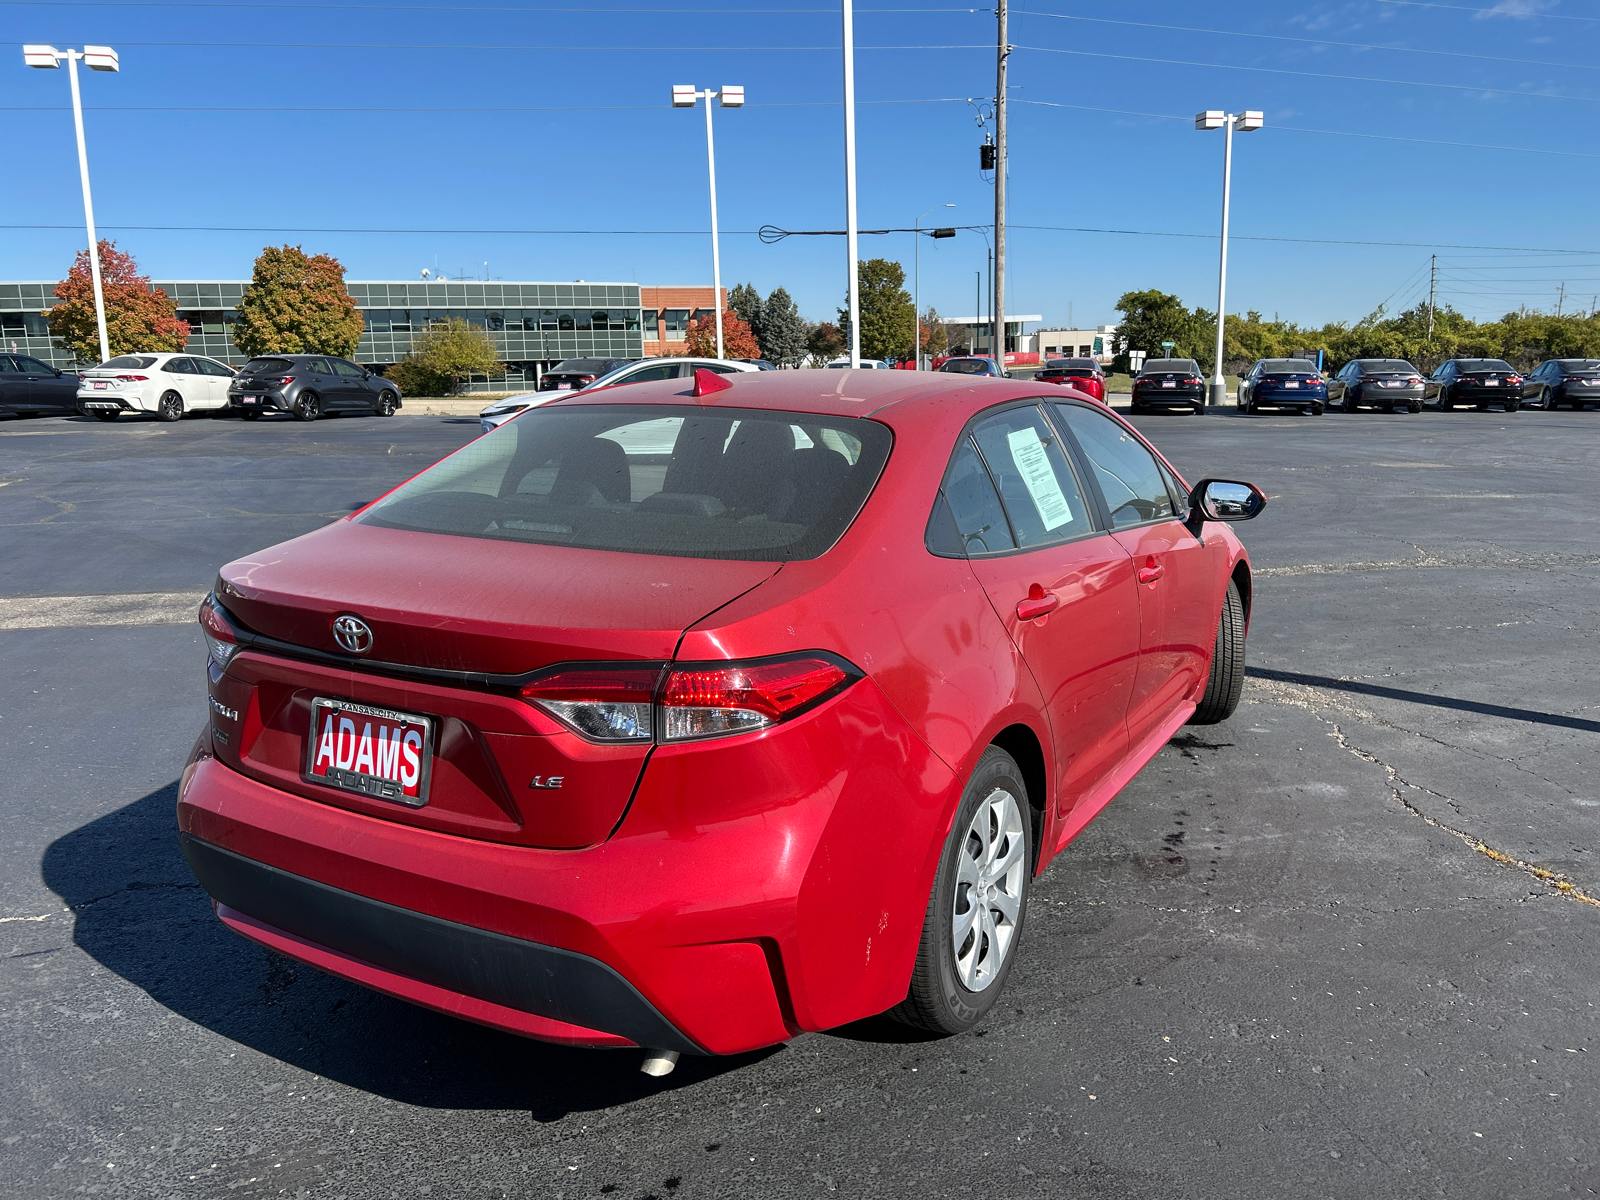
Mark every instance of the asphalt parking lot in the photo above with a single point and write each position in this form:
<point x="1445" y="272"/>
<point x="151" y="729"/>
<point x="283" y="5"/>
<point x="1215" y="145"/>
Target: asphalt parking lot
<point x="1342" y="945"/>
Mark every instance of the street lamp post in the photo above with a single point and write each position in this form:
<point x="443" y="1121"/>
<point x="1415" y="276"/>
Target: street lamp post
<point x="731" y="96"/>
<point x="847" y="8"/>
<point x="916" y="285"/>
<point x="1244" y="122"/>
<point x="96" y="58"/>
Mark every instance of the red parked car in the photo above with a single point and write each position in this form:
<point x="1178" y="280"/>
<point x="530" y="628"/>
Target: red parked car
<point x="691" y="720"/>
<point x="1084" y="374"/>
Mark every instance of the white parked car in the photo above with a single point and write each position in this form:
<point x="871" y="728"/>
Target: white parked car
<point x="642" y="371"/>
<point x="867" y="364"/>
<point x="165" y="385"/>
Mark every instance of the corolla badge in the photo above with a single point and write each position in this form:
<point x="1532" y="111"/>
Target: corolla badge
<point x="352" y="633"/>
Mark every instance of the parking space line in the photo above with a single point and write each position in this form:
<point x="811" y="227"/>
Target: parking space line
<point x="75" y="612"/>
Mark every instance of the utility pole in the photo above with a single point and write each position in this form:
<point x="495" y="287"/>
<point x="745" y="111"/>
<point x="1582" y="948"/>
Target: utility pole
<point x="847" y="9"/>
<point x="1433" y="284"/>
<point x="1002" y="53"/>
<point x="1561" y="297"/>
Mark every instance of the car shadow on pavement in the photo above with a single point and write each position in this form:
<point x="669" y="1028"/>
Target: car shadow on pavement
<point x="140" y="913"/>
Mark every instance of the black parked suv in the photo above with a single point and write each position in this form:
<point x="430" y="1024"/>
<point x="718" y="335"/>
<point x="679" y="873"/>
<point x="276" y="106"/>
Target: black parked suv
<point x="309" y="385"/>
<point x="1558" y="381"/>
<point x="1476" y="381"/>
<point x="1169" y="382"/>
<point x="1386" y="383"/>
<point x="28" y="386"/>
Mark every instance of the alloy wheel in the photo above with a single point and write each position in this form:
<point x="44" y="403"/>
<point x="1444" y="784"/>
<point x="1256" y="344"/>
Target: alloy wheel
<point x="387" y="405"/>
<point x="308" y="407"/>
<point x="988" y="895"/>
<point x="169" y="407"/>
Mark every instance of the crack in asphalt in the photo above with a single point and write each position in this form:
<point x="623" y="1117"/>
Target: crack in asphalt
<point x="1431" y="559"/>
<point x="135" y="886"/>
<point x="1556" y="881"/>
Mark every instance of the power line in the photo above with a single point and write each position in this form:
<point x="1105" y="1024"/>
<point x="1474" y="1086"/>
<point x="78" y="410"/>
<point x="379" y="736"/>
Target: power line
<point x="834" y="49"/>
<point x="1179" y="62"/>
<point x="447" y="108"/>
<point x="1486" y="12"/>
<point x="433" y="8"/>
<point x="754" y="232"/>
<point x="1278" y="37"/>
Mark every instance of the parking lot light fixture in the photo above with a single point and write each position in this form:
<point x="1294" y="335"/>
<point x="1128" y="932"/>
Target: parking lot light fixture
<point x="1244" y="122"/>
<point x="97" y="58"/>
<point x="684" y="95"/>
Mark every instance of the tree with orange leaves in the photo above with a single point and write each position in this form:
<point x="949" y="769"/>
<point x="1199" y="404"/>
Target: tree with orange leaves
<point x="139" y="318"/>
<point x="737" y="340"/>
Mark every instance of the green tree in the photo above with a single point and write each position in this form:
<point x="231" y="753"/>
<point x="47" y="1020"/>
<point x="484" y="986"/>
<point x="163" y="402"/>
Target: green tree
<point x="782" y="330"/>
<point x="444" y="357"/>
<point x="824" y="342"/>
<point x="139" y="318"/>
<point x="1150" y="318"/>
<point x="745" y="302"/>
<point x="297" y="304"/>
<point x="887" y="314"/>
<point x="935" y="333"/>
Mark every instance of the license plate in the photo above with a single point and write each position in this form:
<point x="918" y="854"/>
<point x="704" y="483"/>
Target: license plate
<point x="1389" y="383"/>
<point x="373" y="752"/>
<point x="1168" y="383"/>
<point x="1291" y="383"/>
<point x="251" y="400"/>
<point x="563" y="387"/>
<point x="100" y="387"/>
<point x="1491" y="383"/>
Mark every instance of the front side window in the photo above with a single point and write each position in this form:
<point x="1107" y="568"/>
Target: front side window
<point x="348" y="370"/>
<point x="1037" y="486"/>
<point x="211" y="367"/>
<point x="674" y="480"/>
<point x="1129" y="477"/>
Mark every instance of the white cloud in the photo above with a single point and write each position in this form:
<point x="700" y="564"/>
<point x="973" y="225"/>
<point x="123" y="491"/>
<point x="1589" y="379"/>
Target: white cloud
<point x="1517" y="8"/>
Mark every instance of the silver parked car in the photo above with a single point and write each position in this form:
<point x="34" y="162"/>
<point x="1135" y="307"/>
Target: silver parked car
<point x="638" y="371"/>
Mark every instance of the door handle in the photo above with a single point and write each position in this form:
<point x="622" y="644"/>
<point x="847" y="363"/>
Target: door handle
<point x="1151" y="571"/>
<point x="1039" y="603"/>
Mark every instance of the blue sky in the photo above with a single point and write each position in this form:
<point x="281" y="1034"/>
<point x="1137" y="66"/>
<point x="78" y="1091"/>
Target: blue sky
<point x="547" y="135"/>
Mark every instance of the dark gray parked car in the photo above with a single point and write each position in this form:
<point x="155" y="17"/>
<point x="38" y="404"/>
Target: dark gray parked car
<point x="310" y="386"/>
<point x="29" y="386"/>
<point x="1558" y="381"/>
<point x="575" y="374"/>
<point x="1386" y="383"/>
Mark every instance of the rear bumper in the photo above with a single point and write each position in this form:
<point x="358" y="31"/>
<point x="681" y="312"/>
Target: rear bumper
<point x="118" y="401"/>
<point x="758" y="886"/>
<point x="258" y="400"/>
<point x="1367" y="394"/>
<point x="1156" y="396"/>
<point x="1289" y="399"/>
<point x="430" y="961"/>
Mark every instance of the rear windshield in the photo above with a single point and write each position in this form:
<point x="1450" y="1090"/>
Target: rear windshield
<point x="1287" y="366"/>
<point x="967" y="366"/>
<point x="257" y="365"/>
<point x="677" y="480"/>
<point x="1387" y="364"/>
<point x="1072" y="364"/>
<point x="1581" y="364"/>
<point x="137" y="361"/>
<point x="1483" y="364"/>
<point x="1171" y="366"/>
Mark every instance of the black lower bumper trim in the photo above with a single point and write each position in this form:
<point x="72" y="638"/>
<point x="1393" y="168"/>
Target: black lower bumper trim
<point x="544" y="980"/>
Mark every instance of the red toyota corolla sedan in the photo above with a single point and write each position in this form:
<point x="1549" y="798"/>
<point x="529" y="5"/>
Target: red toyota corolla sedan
<point x="693" y="717"/>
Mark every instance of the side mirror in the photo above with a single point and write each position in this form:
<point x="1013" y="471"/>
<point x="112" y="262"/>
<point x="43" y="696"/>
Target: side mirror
<point x="1227" y="500"/>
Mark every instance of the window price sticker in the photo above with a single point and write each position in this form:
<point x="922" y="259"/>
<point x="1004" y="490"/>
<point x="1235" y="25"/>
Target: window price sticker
<point x="1027" y="451"/>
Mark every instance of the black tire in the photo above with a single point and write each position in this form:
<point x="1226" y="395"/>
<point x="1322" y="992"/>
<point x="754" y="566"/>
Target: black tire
<point x="1388" y="408"/>
<point x="1316" y="410"/>
<point x="169" y="407"/>
<point x="1226" y="681"/>
<point x="106" y="414"/>
<point x="1349" y="400"/>
<point x="387" y="403"/>
<point x="1415" y="406"/>
<point x="250" y="414"/>
<point x="1544" y="399"/>
<point x="1512" y="405"/>
<point x="1482" y="407"/>
<point x="937" y="999"/>
<point x="308" y="407"/>
<point x="1444" y="400"/>
<point x="1199" y="410"/>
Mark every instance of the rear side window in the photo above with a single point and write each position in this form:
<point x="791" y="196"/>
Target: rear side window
<point x="257" y="365"/>
<point x="678" y="480"/>
<point x="1037" y="487"/>
<point x="970" y="501"/>
<point x="1130" y="480"/>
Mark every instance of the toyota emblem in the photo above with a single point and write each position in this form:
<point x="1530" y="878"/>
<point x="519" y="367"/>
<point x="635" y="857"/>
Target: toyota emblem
<point x="352" y="633"/>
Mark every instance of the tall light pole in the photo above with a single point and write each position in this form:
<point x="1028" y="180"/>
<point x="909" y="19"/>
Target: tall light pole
<point x="916" y="282"/>
<point x="854" y="286"/>
<point x="1244" y="122"/>
<point x="97" y="58"/>
<point x="1000" y="149"/>
<point x="731" y="96"/>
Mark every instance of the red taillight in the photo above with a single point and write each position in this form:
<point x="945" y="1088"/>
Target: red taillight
<point x="133" y="378"/>
<point x="221" y="640"/>
<point x="1414" y="379"/>
<point x="617" y="703"/>
<point x="284" y="382"/>
<point x="1513" y="378"/>
<point x="712" y="699"/>
<point x="1194" y="380"/>
<point x="606" y="703"/>
<point x="587" y="378"/>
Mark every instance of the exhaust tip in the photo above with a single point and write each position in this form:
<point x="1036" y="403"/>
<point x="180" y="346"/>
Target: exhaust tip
<point x="659" y="1062"/>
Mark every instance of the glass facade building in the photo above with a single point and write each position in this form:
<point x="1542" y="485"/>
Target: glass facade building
<point x="534" y="325"/>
